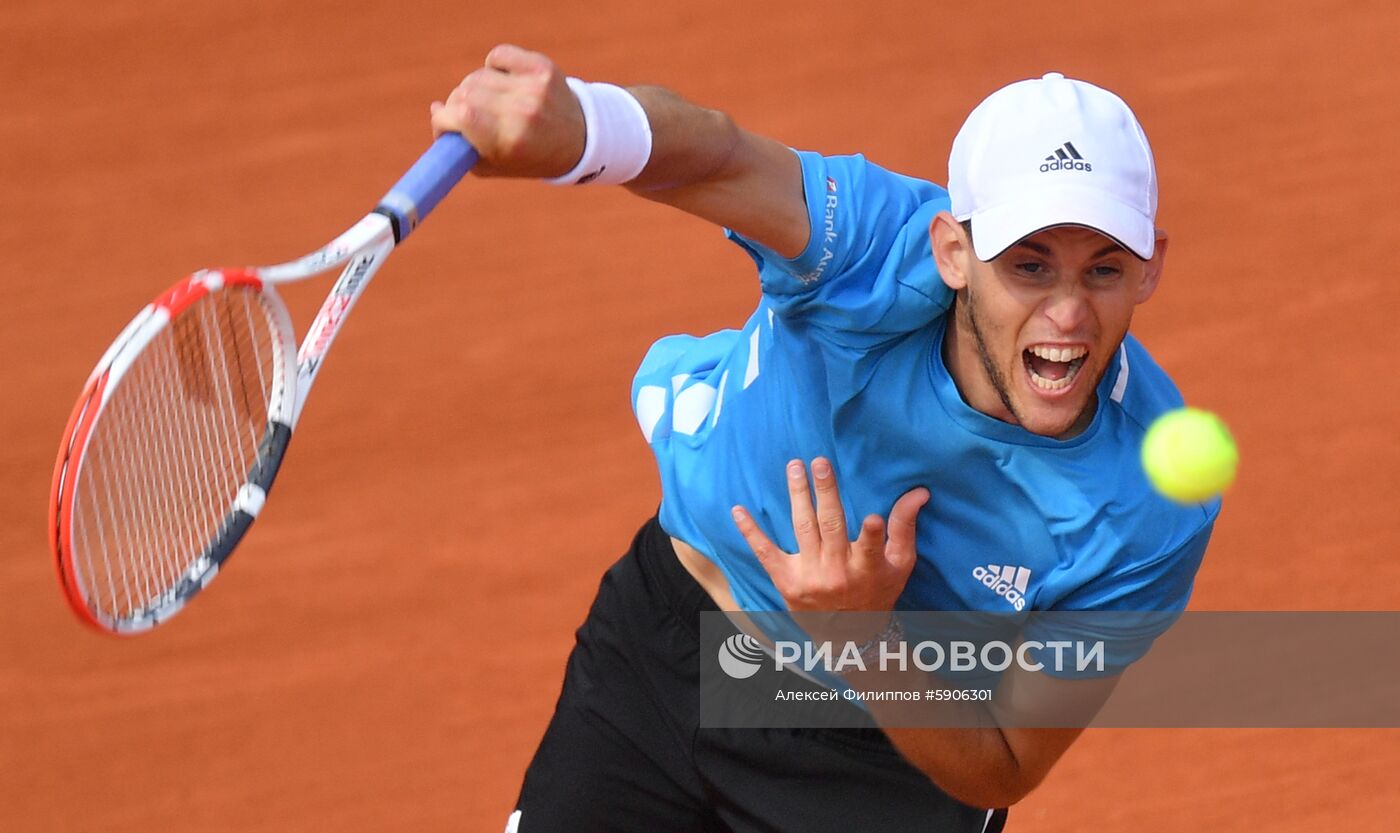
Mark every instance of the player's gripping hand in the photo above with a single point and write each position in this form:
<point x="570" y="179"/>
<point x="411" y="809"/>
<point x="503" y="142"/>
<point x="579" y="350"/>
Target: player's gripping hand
<point x="830" y="572"/>
<point x="518" y="112"/>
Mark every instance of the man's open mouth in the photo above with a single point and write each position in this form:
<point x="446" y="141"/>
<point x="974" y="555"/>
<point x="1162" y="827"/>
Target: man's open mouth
<point x="1053" y="368"/>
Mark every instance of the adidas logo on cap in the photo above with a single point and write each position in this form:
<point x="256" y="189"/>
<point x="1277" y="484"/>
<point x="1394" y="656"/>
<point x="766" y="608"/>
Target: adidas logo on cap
<point x="1065" y="158"/>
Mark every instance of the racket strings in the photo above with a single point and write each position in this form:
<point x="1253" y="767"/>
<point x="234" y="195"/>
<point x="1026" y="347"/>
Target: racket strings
<point x="170" y="450"/>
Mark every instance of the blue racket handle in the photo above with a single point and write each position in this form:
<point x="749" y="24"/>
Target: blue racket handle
<point x="420" y="190"/>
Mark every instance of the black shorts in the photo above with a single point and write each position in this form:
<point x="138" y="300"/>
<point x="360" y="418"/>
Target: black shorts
<point x="624" y="751"/>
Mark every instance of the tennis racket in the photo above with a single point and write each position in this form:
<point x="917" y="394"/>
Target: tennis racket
<point x="181" y="428"/>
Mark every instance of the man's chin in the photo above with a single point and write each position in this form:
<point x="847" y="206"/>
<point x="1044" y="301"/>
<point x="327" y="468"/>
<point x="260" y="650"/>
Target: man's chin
<point x="1060" y="420"/>
<point x="1061" y="413"/>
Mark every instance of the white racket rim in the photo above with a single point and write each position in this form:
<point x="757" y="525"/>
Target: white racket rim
<point x="361" y="249"/>
<point x="102" y="383"/>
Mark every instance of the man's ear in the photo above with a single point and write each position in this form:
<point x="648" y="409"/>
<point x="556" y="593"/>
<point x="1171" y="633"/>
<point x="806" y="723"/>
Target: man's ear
<point x="1152" y="272"/>
<point x="952" y="249"/>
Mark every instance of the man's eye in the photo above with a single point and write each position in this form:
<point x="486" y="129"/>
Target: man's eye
<point x="1106" y="271"/>
<point x="1031" y="267"/>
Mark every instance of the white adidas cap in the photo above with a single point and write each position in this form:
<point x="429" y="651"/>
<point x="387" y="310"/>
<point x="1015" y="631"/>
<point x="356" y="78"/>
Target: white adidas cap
<point x="1050" y="152"/>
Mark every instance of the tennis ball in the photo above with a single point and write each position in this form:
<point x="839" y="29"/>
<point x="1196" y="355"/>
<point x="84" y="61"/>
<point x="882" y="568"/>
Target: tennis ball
<point x="1189" y="455"/>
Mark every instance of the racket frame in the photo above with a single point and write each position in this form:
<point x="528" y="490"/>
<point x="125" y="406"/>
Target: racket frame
<point x="102" y="383"/>
<point x="360" y="251"/>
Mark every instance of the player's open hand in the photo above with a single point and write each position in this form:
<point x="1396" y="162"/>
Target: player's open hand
<point x="830" y="572"/>
<point x="518" y="112"/>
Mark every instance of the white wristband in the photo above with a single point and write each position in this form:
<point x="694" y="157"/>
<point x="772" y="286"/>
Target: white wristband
<point x="617" y="136"/>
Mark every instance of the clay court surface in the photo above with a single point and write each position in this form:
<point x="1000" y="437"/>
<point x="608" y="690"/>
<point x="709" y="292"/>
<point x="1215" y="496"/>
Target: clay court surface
<point x="384" y="651"/>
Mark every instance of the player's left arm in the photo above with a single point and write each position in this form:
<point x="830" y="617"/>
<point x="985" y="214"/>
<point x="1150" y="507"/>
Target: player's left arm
<point x="997" y="761"/>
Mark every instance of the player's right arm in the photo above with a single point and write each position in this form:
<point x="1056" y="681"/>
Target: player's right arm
<point x="524" y="120"/>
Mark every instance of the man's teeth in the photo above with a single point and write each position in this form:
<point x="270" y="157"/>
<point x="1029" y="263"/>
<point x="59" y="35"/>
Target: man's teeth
<point x="1058" y="354"/>
<point x="1051" y="384"/>
<point x="1071" y="357"/>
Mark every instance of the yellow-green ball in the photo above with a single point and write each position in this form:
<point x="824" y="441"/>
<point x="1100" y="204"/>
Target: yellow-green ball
<point x="1189" y="455"/>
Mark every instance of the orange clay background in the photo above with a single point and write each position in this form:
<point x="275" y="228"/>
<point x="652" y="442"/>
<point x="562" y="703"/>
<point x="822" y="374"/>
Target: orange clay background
<point x="384" y="651"/>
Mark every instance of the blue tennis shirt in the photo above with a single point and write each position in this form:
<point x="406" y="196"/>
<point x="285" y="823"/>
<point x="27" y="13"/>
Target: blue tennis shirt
<point x="843" y="358"/>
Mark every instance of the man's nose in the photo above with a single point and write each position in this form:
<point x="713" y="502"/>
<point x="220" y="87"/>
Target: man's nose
<point x="1067" y="308"/>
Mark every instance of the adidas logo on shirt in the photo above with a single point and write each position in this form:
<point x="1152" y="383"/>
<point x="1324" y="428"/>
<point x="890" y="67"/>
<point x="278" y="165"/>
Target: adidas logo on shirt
<point x="1005" y="581"/>
<point x="1065" y="158"/>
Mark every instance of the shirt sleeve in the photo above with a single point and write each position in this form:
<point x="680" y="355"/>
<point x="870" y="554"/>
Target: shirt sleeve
<point x="867" y="272"/>
<point x="1127" y="610"/>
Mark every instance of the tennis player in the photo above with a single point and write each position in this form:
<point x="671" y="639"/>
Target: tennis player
<point x="959" y="359"/>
